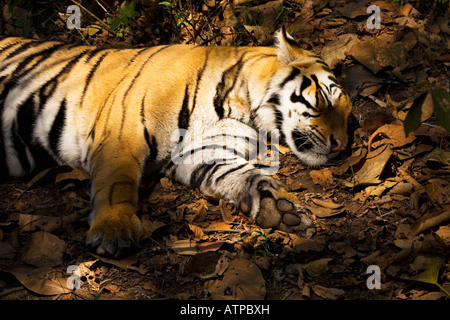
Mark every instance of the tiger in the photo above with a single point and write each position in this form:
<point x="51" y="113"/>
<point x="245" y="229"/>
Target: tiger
<point x="119" y="114"/>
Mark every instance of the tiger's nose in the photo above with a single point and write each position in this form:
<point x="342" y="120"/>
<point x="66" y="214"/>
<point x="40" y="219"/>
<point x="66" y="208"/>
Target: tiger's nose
<point x="336" y="144"/>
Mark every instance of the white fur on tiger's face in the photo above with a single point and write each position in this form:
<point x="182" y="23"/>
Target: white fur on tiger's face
<point x="197" y="112"/>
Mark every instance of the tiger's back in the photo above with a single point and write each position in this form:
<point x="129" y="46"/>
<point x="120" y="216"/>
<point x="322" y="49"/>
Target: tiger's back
<point x="111" y="112"/>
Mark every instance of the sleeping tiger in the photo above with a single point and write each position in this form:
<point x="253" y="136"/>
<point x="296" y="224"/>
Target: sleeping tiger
<point x="113" y="112"/>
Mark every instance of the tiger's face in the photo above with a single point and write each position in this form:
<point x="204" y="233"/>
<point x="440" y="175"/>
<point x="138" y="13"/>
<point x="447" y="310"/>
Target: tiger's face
<point x="311" y="108"/>
<point x="314" y="112"/>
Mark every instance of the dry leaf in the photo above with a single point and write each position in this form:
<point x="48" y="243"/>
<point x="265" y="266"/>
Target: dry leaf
<point x="430" y="220"/>
<point x="75" y="174"/>
<point x="327" y="204"/>
<point x="327" y="293"/>
<point x="125" y="263"/>
<point x="262" y="34"/>
<point x="166" y="183"/>
<point x="323" y="177"/>
<point x="438" y="190"/>
<point x="370" y="172"/>
<point x="300" y="244"/>
<point x="316" y="267"/>
<point x="198" y="232"/>
<point x="34" y="280"/>
<point x="226" y="210"/>
<point x="44" y="249"/>
<point x="395" y="136"/>
<point x="241" y="281"/>
<point x="151" y="226"/>
<point x="185" y="247"/>
<point x="444" y="233"/>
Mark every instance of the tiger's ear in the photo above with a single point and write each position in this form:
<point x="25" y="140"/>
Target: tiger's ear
<point x="290" y="52"/>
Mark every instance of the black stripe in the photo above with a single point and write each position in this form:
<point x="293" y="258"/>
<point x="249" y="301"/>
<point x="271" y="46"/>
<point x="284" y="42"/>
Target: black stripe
<point x="130" y="86"/>
<point x="25" y="120"/>
<point x="199" y="174"/>
<point x="91" y="73"/>
<point x="306" y="82"/>
<point x="100" y="111"/>
<point x="22" y="48"/>
<point x="333" y="79"/>
<point x="212" y="147"/>
<point x="274" y="99"/>
<point x="57" y="128"/>
<point x="19" y="146"/>
<point x="318" y="90"/>
<point x="10" y="45"/>
<point x="199" y="78"/>
<point x="216" y="167"/>
<point x="184" y="115"/>
<point x="223" y="175"/>
<point x="224" y="87"/>
<point x="279" y="123"/>
<point x="152" y="145"/>
<point x="294" y="73"/>
<point x="42" y="54"/>
<point x="299" y="98"/>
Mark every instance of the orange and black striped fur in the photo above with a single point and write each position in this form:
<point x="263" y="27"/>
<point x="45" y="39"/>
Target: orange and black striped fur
<point x="113" y="111"/>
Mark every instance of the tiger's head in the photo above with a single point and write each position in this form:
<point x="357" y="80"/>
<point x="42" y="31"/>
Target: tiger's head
<point x="310" y="108"/>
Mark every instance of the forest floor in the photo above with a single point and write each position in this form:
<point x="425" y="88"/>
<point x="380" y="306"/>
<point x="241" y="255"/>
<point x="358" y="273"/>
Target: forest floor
<point x="381" y="211"/>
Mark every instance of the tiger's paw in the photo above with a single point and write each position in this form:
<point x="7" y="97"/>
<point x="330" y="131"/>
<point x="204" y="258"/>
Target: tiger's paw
<point x="272" y="206"/>
<point x="114" y="233"/>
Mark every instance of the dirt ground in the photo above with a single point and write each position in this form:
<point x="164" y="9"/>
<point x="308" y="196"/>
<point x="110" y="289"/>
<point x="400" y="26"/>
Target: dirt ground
<point x="381" y="211"/>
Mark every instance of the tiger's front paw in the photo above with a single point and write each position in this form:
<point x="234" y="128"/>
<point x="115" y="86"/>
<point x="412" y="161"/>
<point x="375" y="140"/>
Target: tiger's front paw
<point x="114" y="231"/>
<point x="272" y="206"/>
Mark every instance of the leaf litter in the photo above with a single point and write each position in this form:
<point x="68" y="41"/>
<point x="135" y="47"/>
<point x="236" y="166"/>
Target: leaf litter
<point x="385" y="202"/>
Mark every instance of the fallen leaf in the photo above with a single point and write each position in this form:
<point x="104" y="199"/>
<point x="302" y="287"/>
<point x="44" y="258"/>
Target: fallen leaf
<point x="352" y="10"/>
<point x="7" y="251"/>
<point x="323" y="177"/>
<point x="226" y="210"/>
<point x="395" y="136"/>
<point x="166" y="183"/>
<point x="44" y="249"/>
<point x="198" y="232"/>
<point x="438" y="190"/>
<point x="210" y="246"/>
<point x="262" y="35"/>
<point x="430" y="220"/>
<point x="317" y="267"/>
<point x="242" y="280"/>
<point x="431" y="275"/>
<point x="34" y="280"/>
<point x="325" y="209"/>
<point x="300" y="244"/>
<point x="327" y="293"/>
<point x="151" y="226"/>
<point x="125" y="263"/>
<point x="358" y="80"/>
<point x="374" y="165"/>
<point x="327" y="204"/>
<point x="185" y="247"/>
<point x="444" y="233"/>
<point x="75" y="174"/>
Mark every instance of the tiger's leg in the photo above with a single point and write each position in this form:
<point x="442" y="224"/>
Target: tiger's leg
<point x="221" y="162"/>
<point x="115" y="174"/>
